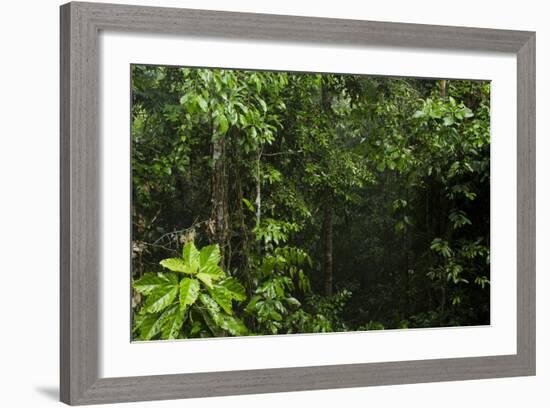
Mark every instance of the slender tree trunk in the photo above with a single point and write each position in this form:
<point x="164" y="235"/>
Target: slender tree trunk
<point x="327" y="229"/>
<point x="328" y="210"/>
<point x="218" y="218"/>
<point x="258" y="200"/>
<point x="443" y="88"/>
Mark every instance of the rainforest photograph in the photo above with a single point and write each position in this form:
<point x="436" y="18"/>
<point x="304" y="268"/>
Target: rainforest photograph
<point x="279" y="203"/>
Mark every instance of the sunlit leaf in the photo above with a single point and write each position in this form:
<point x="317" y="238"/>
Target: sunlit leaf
<point x="235" y="289"/>
<point x="191" y="256"/>
<point x="189" y="291"/>
<point x="160" y="298"/>
<point x="150" y="282"/>
<point x="171" y="322"/>
<point x="222" y="297"/>
<point x="174" y="264"/>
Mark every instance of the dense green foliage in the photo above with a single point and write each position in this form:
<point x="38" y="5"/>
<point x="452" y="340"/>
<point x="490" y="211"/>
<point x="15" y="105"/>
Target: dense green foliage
<point x="319" y="202"/>
<point x="195" y="298"/>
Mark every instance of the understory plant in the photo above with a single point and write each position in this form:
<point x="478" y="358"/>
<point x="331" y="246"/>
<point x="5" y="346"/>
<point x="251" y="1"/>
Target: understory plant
<point x="192" y="297"/>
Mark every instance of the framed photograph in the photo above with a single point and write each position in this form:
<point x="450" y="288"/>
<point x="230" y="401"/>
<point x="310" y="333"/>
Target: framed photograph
<point x="261" y="203"/>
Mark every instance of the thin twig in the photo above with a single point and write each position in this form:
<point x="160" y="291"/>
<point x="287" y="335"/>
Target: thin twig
<point x="179" y="231"/>
<point x="159" y="246"/>
<point x="282" y="153"/>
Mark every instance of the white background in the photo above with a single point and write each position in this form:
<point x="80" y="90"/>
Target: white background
<point x="120" y="358"/>
<point x="29" y="207"/>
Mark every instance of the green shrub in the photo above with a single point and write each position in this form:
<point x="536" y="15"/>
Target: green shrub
<point x="195" y="298"/>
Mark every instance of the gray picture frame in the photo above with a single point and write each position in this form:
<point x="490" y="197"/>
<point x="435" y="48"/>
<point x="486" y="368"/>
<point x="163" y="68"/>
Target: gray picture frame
<point x="80" y="191"/>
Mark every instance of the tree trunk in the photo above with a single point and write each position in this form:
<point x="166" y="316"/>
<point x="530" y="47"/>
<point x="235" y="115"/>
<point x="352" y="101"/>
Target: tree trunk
<point x="258" y="200"/>
<point x="327" y="230"/>
<point x="443" y="88"/>
<point x="218" y="218"/>
<point x="328" y="211"/>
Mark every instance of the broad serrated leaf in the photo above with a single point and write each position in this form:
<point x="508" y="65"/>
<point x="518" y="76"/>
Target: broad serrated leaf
<point x="208" y="302"/>
<point x="223" y="298"/>
<point x="205" y="278"/>
<point x="150" y="326"/>
<point x="174" y="264"/>
<point x="217" y="320"/>
<point x="138" y="320"/>
<point x="233" y="325"/>
<point x="189" y="291"/>
<point x="211" y="324"/>
<point x="160" y="298"/>
<point x="209" y="260"/>
<point x="214" y="271"/>
<point x="210" y="255"/>
<point x="211" y="314"/>
<point x="191" y="257"/>
<point x="171" y="322"/>
<point x="236" y="290"/>
<point x="152" y="281"/>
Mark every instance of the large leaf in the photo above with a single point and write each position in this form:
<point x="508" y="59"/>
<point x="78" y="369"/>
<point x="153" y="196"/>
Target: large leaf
<point x="161" y="297"/>
<point x="209" y="303"/>
<point x="139" y="318"/>
<point x="191" y="257"/>
<point x="150" y="325"/>
<point x="209" y="260"/>
<point x="218" y="320"/>
<point x="235" y="289"/>
<point x="223" y="298"/>
<point x="205" y="278"/>
<point x="211" y="324"/>
<point x="150" y="282"/>
<point x="214" y="271"/>
<point x="211" y="314"/>
<point x="171" y="322"/>
<point x="210" y="255"/>
<point x="189" y="291"/>
<point x="233" y="325"/>
<point x="174" y="264"/>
